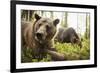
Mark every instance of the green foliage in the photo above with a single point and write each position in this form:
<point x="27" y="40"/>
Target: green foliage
<point x="71" y="52"/>
<point x="26" y="55"/>
<point x="48" y="58"/>
<point x="74" y="52"/>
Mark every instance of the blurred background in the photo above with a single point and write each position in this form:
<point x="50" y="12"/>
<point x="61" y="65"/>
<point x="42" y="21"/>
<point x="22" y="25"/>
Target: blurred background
<point x="79" y="21"/>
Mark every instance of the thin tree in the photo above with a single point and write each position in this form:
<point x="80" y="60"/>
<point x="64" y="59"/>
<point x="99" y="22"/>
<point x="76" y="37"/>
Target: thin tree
<point x="86" y="35"/>
<point x="51" y="13"/>
<point x="66" y="18"/>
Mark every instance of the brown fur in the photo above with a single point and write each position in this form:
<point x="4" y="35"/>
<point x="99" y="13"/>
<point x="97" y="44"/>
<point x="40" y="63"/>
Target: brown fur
<point x="28" y="35"/>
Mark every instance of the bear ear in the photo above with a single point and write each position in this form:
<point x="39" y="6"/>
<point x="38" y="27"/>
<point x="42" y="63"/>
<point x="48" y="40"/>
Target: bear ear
<point x="37" y="17"/>
<point x="56" y="21"/>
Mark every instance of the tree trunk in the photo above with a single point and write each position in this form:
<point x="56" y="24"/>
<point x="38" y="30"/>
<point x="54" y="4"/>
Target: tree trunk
<point x="66" y="24"/>
<point x="51" y="14"/>
<point x="86" y="26"/>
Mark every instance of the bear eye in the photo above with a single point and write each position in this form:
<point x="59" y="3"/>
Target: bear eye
<point x="40" y="24"/>
<point x="47" y="27"/>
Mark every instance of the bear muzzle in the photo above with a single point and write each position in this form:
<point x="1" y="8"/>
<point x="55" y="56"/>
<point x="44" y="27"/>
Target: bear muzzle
<point x="40" y="37"/>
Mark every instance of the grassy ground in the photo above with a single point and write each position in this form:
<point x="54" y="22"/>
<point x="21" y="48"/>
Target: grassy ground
<point x="71" y="52"/>
<point x="74" y="52"/>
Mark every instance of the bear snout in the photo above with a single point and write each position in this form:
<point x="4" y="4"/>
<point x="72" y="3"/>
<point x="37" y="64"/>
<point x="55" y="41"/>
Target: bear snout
<point x="39" y="36"/>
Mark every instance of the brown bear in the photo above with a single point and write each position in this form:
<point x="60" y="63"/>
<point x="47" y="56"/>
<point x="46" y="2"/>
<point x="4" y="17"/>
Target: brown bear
<point x="68" y="35"/>
<point x="38" y="35"/>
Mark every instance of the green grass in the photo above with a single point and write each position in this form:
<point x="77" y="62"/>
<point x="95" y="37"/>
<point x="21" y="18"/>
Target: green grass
<point x="74" y="52"/>
<point x="71" y="52"/>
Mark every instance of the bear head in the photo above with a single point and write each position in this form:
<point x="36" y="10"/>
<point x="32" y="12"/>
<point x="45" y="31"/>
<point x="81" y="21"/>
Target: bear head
<point x="44" y="28"/>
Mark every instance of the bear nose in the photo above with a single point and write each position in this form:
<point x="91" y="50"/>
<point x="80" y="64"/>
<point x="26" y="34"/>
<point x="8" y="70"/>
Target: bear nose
<point x="39" y="35"/>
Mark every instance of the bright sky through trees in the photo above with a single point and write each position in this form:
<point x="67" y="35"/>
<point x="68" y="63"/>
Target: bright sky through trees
<point x="79" y="21"/>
